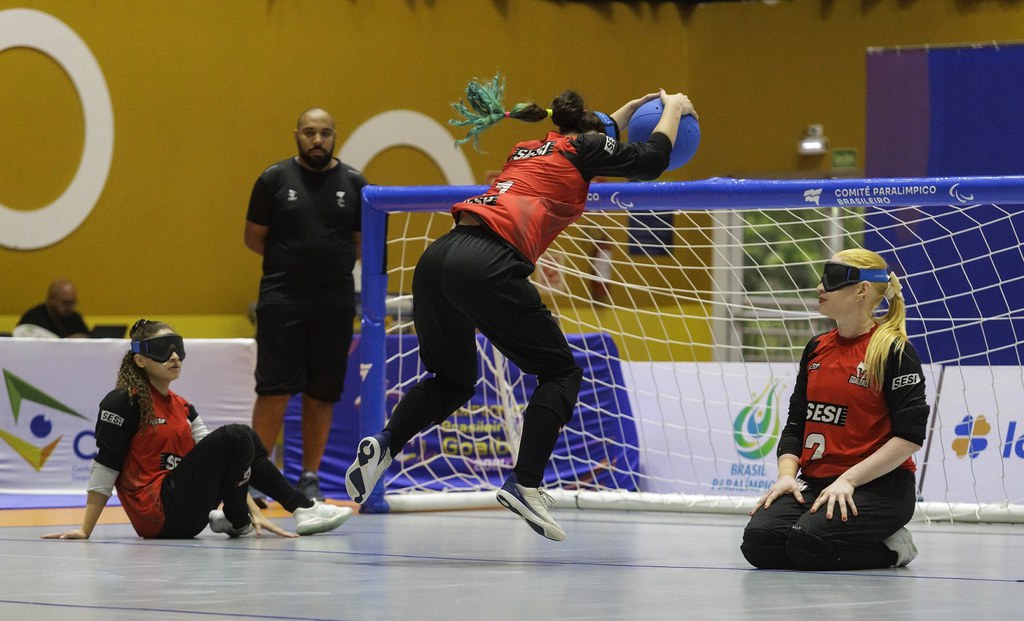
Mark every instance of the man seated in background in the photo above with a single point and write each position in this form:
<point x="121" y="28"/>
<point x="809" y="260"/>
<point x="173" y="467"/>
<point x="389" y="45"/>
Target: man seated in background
<point x="55" y="318"/>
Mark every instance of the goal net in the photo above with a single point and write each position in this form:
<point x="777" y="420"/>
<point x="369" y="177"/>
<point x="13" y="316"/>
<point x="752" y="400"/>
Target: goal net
<point x="687" y="304"/>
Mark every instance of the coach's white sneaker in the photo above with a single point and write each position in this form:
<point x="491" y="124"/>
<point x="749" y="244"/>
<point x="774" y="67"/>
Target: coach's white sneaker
<point x="531" y="504"/>
<point x="320" y="518"/>
<point x="219" y="523"/>
<point x="902" y="544"/>
<point x="372" y="459"/>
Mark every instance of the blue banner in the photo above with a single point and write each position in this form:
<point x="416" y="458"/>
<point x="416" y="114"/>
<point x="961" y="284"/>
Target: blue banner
<point x="728" y="193"/>
<point x="962" y="275"/>
<point x="598" y="449"/>
<point x="945" y="111"/>
<point x="975" y="99"/>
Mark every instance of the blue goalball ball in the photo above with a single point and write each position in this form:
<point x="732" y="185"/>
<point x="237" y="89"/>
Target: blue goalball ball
<point x="642" y="123"/>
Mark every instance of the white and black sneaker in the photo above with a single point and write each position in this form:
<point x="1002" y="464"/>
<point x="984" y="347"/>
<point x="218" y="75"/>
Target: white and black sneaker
<point x="219" y="523"/>
<point x="372" y="459"/>
<point x="531" y="504"/>
<point x="902" y="543"/>
<point x="320" y="518"/>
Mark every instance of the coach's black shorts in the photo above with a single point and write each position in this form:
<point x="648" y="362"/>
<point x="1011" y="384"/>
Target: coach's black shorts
<point x="302" y="349"/>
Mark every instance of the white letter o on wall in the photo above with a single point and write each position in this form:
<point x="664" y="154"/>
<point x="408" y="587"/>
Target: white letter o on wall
<point x="407" y="128"/>
<point x="30" y="230"/>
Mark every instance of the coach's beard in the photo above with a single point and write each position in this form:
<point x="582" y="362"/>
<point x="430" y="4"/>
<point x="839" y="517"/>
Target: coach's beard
<point x="315" y="162"/>
<point x="318" y="162"/>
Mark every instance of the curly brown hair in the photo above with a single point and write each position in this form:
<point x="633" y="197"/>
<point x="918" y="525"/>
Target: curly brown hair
<point x="133" y="378"/>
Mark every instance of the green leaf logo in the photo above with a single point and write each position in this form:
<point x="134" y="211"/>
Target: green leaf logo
<point x="19" y="391"/>
<point x="756" y="429"/>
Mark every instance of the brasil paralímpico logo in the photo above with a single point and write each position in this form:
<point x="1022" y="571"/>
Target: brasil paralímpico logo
<point x="40" y="427"/>
<point x="756" y="428"/>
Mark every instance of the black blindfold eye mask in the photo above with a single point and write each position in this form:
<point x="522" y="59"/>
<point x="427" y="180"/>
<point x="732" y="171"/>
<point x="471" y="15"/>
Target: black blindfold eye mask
<point x="160" y="348"/>
<point x="835" y="276"/>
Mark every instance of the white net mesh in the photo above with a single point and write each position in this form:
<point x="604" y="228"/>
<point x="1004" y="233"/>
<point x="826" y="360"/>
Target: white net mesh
<point x="688" y="324"/>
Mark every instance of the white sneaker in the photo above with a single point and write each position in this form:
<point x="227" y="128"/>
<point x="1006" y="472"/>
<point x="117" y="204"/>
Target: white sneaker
<point x="219" y="523"/>
<point x="902" y="544"/>
<point x="320" y="518"/>
<point x="372" y="459"/>
<point x="531" y="504"/>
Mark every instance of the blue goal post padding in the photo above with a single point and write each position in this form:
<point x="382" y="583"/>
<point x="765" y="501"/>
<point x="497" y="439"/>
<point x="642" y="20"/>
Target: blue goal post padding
<point x="728" y="193"/>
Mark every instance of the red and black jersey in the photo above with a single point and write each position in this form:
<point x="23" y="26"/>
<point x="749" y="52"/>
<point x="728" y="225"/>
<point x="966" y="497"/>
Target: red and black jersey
<point x="543" y="186"/>
<point x="836" y="420"/>
<point x="143" y="457"/>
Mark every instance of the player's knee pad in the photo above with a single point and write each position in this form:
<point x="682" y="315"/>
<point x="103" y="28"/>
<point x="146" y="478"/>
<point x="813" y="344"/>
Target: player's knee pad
<point x="254" y="439"/>
<point x="450" y="395"/>
<point x="558" y="391"/>
<point x="764" y="549"/>
<point x="241" y="439"/>
<point x="238" y="432"/>
<point x="808" y="551"/>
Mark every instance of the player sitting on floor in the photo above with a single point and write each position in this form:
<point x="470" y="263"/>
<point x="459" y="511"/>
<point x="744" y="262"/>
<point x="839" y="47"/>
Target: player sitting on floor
<point x="170" y="471"/>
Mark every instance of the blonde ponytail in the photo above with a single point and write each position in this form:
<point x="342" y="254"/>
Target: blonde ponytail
<point x="892" y="327"/>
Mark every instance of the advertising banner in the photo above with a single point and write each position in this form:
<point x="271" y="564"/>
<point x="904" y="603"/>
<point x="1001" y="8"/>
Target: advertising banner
<point x="709" y="428"/>
<point x="713" y="428"/>
<point x="52" y="388"/>
<point x="976" y="447"/>
<point x="598" y="449"/>
<point x="698" y="428"/>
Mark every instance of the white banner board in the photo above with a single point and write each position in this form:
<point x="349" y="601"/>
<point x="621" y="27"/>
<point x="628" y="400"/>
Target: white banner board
<point x="51" y="390"/>
<point x="713" y="428"/>
<point x="976" y="439"/>
<point x="704" y="428"/>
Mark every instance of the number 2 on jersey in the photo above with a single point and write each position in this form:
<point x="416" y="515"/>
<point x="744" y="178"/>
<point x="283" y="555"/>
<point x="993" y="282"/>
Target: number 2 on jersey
<point x="815" y="441"/>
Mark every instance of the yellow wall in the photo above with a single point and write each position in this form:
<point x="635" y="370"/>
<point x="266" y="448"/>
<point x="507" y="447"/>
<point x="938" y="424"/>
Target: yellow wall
<point x="205" y="95"/>
<point x="684" y="338"/>
<point x="763" y="73"/>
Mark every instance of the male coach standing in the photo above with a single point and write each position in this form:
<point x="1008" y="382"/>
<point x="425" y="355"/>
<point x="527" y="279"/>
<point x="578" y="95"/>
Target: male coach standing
<point x="304" y="219"/>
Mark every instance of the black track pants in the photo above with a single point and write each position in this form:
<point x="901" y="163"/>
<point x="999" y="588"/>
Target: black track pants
<point x="788" y="536"/>
<point x="220" y="469"/>
<point x="471" y="280"/>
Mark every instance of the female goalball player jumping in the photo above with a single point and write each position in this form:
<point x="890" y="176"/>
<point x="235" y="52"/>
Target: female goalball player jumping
<point x="476" y="277"/>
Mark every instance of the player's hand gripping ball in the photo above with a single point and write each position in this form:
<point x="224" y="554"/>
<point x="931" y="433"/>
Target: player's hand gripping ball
<point x="642" y="123"/>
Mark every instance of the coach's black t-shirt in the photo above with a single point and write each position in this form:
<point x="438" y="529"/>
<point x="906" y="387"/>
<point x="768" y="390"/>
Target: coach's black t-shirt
<point x="309" y="252"/>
